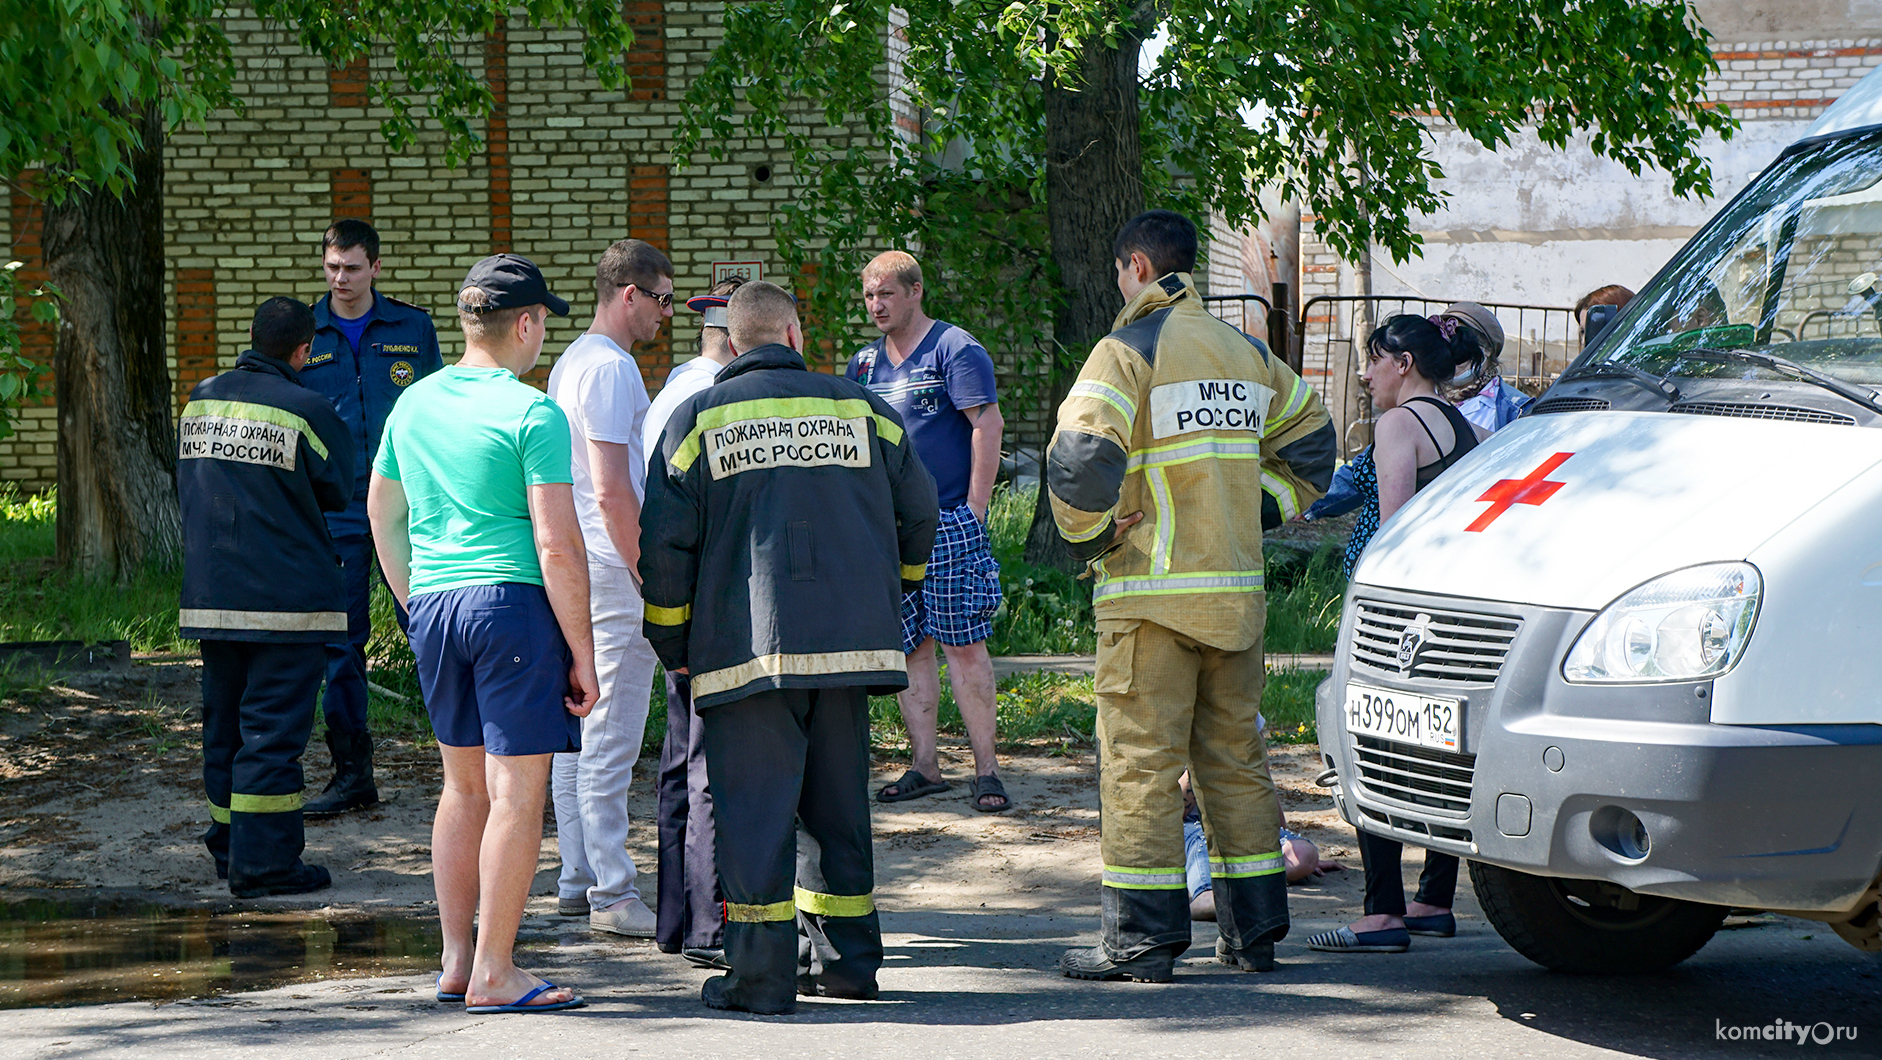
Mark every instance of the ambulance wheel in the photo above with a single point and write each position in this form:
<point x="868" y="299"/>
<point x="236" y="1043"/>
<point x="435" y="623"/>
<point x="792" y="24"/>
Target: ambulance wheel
<point x="1591" y="926"/>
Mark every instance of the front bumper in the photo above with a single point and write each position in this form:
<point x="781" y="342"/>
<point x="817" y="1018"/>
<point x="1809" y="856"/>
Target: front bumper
<point x="1749" y="816"/>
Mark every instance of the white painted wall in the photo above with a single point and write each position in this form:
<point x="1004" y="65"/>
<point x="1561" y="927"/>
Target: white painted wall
<point x="1530" y="224"/>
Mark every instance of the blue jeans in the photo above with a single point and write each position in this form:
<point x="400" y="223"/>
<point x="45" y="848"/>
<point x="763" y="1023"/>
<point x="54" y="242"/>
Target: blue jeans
<point x="1196" y="856"/>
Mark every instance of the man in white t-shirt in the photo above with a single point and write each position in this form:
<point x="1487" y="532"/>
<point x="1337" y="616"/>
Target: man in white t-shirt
<point x="598" y="385"/>
<point x="691" y="921"/>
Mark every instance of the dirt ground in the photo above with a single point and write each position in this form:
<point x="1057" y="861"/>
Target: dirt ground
<point x="100" y="791"/>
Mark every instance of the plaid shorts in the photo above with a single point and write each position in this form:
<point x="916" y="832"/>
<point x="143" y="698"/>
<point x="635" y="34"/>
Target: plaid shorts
<point x="957" y="599"/>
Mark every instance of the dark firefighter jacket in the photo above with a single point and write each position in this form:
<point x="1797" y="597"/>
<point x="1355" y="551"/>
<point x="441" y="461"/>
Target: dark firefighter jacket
<point x="786" y="513"/>
<point x="260" y="457"/>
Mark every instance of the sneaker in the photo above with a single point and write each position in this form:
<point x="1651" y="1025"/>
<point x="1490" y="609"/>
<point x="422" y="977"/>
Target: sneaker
<point x="631" y="918"/>
<point x="576" y="906"/>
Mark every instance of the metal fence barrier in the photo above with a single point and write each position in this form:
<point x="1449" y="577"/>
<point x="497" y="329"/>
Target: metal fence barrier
<point x="1329" y="350"/>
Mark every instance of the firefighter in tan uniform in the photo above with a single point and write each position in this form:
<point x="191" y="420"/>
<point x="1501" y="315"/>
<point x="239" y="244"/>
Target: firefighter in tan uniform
<point x="1180" y="441"/>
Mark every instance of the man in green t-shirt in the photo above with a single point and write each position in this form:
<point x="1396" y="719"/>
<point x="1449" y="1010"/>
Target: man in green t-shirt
<point x="475" y="524"/>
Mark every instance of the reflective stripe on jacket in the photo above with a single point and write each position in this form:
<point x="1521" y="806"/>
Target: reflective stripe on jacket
<point x="259" y="458"/>
<point x="1186" y="419"/>
<point x="786" y="513"/>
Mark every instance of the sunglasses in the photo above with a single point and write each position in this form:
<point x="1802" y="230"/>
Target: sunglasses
<point x="665" y="300"/>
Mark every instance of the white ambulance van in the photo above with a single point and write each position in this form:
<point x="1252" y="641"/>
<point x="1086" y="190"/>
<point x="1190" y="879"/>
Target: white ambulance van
<point x="1626" y="657"/>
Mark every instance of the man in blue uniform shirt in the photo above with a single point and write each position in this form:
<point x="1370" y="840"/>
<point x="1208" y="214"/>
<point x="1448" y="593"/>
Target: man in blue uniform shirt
<point x="367" y="349"/>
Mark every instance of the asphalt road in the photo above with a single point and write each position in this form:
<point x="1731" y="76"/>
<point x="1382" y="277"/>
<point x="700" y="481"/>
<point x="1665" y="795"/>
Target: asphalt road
<point x="979" y="984"/>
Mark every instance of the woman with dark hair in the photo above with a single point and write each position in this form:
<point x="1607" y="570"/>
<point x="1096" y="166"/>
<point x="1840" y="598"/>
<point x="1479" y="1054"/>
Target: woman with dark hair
<point x="1417" y="435"/>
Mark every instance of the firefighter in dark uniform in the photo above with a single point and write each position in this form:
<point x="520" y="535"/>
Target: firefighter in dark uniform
<point x="786" y="513"/>
<point x="368" y="347"/>
<point x="691" y="911"/>
<point x="260" y="459"/>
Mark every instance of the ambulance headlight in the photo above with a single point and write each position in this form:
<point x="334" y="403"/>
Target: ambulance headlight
<point x="1682" y="626"/>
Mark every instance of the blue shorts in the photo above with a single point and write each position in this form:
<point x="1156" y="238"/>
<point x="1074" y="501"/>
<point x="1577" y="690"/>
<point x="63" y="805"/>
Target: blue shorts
<point x="957" y="599"/>
<point x="494" y="668"/>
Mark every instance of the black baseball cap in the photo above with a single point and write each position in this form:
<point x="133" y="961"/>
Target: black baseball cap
<point x="513" y="282"/>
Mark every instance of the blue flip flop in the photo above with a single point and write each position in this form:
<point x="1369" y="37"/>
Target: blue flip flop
<point x="522" y="1004"/>
<point x="446" y="997"/>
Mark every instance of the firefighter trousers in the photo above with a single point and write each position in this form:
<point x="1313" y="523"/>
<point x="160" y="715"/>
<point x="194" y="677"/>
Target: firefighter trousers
<point x="258" y="711"/>
<point x="688" y="916"/>
<point x="1167" y="702"/>
<point x="781" y="764"/>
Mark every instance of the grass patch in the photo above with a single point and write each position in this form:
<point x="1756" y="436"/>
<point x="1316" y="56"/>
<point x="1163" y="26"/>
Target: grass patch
<point x="1045" y="611"/>
<point x="1048" y="612"/>
<point x="1056" y="713"/>
<point x="39" y="602"/>
<point x="1304" y="604"/>
<point x="1287" y="705"/>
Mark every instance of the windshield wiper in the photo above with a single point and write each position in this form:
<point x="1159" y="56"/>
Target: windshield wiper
<point x="1617" y="370"/>
<point x="1836" y="386"/>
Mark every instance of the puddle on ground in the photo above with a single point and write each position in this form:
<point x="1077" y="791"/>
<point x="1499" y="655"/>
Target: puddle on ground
<point x="93" y="951"/>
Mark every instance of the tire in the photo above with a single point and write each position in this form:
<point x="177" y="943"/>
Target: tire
<point x="1589" y="926"/>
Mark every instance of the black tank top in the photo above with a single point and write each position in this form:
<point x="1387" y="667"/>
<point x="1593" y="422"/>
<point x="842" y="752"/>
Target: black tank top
<point x="1463" y="440"/>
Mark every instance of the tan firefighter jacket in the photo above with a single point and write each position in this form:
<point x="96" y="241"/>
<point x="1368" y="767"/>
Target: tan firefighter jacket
<point x="1180" y="416"/>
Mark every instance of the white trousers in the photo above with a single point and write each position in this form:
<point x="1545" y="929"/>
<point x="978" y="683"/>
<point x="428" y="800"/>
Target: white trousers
<point x="590" y="788"/>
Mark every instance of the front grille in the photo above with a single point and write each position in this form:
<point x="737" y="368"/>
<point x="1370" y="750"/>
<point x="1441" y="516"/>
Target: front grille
<point x="1457" y="646"/>
<point x="1415" y="776"/>
<point x="1412" y="824"/>
<point x="1787" y="413"/>
<point x="1570" y="404"/>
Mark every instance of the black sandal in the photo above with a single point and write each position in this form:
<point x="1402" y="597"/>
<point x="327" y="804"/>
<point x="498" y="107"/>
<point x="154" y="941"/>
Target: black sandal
<point x="911" y="785"/>
<point x="990" y="785"/>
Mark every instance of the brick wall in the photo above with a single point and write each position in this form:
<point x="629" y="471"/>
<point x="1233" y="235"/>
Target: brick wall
<point x="28" y="457"/>
<point x="568" y="169"/>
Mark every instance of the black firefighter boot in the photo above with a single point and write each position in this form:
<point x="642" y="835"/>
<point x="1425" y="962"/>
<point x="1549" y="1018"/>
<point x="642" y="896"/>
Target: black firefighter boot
<point x="1144" y="932"/>
<point x="763" y="978"/>
<point x="352" y="785"/>
<point x="1251" y="914"/>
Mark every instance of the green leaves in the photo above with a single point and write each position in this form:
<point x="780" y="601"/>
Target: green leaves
<point x="72" y="70"/>
<point x="1330" y="100"/>
<point x="436" y="48"/>
<point x="21" y="378"/>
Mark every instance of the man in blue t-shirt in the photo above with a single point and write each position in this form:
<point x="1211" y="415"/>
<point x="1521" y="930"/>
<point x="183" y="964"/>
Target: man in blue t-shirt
<point x="941" y="382"/>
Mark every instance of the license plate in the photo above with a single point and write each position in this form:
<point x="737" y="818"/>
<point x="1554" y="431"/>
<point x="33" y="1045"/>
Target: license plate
<point x="1405" y="716"/>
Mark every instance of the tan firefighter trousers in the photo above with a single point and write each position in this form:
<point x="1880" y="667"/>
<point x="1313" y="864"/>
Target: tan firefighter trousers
<point x="1167" y="702"/>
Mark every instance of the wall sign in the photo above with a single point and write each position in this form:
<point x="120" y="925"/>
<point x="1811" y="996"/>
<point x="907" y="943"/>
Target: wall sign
<point x="744" y="270"/>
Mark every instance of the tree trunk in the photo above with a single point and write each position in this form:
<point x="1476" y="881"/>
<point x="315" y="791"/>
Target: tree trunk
<point x="117" y="442"/>
<point x="1094" y="183"/>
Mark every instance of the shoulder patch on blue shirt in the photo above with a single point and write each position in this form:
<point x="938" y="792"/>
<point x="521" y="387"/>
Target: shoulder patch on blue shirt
<point x="405" y="304"/>
<point x="318" y="358"/>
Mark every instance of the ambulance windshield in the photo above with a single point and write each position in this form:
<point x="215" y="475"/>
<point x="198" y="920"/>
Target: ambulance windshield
<point x="1793" y="269"/>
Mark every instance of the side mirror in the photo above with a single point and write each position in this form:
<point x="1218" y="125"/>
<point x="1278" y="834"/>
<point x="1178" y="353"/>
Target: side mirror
<point x="1600" y="317"/>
